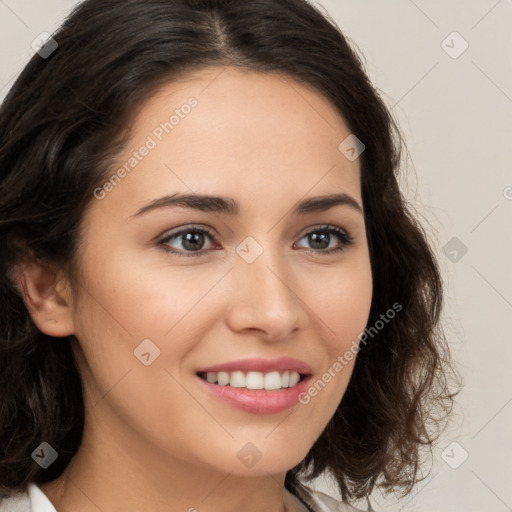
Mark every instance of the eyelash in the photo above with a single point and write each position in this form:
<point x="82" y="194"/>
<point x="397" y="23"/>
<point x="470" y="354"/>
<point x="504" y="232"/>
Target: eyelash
<point x="346" y="239"/>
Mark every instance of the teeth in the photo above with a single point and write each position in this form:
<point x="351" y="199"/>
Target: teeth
<point x="294" y="378"/>
<point x="254" y="380"/>
<point x="223" y="378"/>
<point x="211" y="377"/>
<point x="237" y="380"/>
<point x="273" y="380"/>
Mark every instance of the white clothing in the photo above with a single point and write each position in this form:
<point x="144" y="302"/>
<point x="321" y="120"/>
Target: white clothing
<point x="35" y="500"/>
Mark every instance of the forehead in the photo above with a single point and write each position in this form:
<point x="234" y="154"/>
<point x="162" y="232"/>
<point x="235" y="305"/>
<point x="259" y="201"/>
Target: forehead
<point x="248" y="135"/>
<point x="241" y="101"/>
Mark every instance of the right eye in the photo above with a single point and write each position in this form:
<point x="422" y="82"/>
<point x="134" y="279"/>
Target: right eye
<point x="191" y="243"/>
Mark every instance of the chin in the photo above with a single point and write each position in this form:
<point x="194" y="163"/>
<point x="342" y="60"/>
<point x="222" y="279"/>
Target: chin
<point x="263" y="458"/>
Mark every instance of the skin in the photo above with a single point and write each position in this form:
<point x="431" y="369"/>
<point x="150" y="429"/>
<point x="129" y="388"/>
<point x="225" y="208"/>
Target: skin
<point x="153" y="438"/>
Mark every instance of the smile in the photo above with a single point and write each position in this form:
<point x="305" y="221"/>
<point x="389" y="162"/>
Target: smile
<point x="254" y="380"/>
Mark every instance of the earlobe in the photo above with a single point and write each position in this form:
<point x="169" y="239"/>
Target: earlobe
<point x="43" y="289"/>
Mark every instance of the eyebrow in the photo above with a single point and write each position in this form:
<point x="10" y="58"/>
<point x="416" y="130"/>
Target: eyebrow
<point x="228" y="206"/>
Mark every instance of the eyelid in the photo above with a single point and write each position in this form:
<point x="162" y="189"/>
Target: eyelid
<point x="347" y="240"/>
<point x="183" y="229"/>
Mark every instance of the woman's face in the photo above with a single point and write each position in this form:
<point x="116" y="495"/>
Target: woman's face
<point x="262" y="291"/>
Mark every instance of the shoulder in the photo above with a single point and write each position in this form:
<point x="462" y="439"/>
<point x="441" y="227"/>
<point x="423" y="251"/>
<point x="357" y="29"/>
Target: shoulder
<point x="318" y="501"/>
<point x="325" y="503"/>
<point x="19" y="502"/>
<point x="32" y="500"/>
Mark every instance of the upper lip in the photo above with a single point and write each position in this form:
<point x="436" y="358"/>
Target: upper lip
<point x="260" y="365"/>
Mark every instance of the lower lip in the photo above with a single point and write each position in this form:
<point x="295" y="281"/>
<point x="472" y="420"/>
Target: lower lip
<point x="258" y="401"/>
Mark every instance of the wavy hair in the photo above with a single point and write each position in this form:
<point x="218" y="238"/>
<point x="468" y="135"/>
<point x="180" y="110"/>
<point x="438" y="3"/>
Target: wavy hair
<point x="61" y="126"/>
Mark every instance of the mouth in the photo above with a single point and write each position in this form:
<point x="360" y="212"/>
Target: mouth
<point x="257" y="385"/>
<point x="253" y="380"/>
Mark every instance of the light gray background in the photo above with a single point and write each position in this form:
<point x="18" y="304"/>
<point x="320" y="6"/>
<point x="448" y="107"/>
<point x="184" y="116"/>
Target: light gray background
<point x="456" y="115"/>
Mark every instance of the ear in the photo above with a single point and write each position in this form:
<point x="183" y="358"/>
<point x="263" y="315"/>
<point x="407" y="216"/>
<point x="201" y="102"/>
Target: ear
<point x="46" y="292"/>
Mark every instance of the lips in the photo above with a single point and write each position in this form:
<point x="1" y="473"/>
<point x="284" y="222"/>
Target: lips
<point x="260" y="365"/>
<point x="262" y="386"/>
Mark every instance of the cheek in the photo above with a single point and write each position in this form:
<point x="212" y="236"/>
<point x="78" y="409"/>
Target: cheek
<point x="123" y="316"/>
<point x="145" y="299"/>
<point x="341" y="308"/>
<point x="342" y="304"/>
<point x="127" y="310"/>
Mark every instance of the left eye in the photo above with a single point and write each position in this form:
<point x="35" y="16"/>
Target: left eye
<point x="322" y="235"/>
<point x="193" y="240"/>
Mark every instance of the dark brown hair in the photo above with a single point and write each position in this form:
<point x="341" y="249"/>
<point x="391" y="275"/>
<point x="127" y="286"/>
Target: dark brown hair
<point x="62" y="124"/>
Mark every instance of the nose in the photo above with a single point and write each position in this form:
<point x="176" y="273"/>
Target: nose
<point x="265" y="298"/>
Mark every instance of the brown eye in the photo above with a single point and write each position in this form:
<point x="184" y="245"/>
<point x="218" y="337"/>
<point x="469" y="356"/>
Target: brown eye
<point x="321" y="237"/>
<point x="192" y="241"/>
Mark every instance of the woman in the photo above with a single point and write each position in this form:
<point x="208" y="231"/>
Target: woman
<point x="302" y="338"/>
